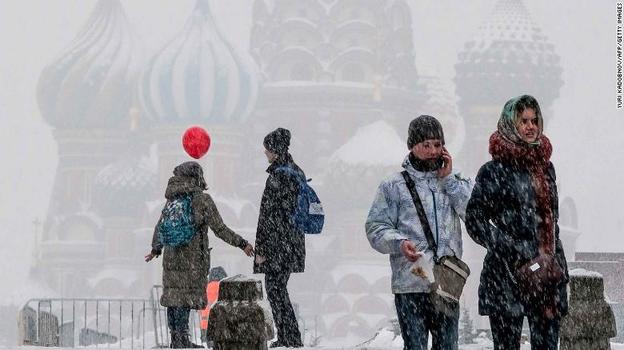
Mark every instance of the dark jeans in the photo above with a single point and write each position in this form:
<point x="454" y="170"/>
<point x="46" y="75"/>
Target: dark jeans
<point x="178" y="318"/>
<point x="417" y="317"/>
<point x="507" y="330"/>
<point x="283" y="313"/>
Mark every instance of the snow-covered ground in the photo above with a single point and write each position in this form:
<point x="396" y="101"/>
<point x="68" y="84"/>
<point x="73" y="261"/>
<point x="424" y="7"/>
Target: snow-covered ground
<point x="385" y="339"/>
<point x="484" y="346"/>
<point x="462" y="347"/>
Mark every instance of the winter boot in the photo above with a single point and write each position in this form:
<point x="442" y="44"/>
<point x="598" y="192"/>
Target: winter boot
<point x="277" y="344"/>
<point x="176" y="342"/>
<point x="186" y="342"/>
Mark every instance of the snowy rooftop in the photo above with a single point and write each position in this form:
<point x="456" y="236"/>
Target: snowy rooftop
<point x="374" y="144"/>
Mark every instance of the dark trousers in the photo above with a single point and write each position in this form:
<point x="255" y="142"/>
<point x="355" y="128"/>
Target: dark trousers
<point x="507" y="330"/>
<point x="283" y="314"/>
<point x="418" y="317"/>
<point x="178" y="319"/>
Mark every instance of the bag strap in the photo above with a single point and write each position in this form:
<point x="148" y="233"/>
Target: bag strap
<point x="294" y="173"/>
<point x="421" y="214"/>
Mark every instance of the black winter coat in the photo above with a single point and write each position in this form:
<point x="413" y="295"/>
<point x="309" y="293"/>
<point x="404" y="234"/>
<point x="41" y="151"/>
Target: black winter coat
<point x="501" y="216"/>
<point x="277" y="239"/>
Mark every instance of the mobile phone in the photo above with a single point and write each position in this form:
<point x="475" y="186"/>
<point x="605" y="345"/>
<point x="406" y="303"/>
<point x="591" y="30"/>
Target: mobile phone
<point x="439" y="163"/>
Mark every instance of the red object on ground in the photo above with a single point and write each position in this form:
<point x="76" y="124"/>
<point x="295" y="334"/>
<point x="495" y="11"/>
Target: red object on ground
<point x="196" y="141"/>
<point x="212" y="293"/>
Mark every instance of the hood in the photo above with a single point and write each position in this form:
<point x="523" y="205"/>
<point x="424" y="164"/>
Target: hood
<point x="188" y="177"/>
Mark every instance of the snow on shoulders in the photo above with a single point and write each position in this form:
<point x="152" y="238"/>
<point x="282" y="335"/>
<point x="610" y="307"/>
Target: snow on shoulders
<point x="374" y="144"/>
<point x="584" y="273"/>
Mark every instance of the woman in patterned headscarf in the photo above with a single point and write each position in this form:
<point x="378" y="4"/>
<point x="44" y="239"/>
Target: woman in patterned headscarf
<point x="513" y="213"/>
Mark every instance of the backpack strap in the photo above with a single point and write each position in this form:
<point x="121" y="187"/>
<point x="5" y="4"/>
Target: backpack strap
<point x="421" y="214"/>
<point x="298" y="176"/>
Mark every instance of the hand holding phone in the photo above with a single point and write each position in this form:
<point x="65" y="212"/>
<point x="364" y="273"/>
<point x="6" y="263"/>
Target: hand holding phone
<point x="447" y="164"/>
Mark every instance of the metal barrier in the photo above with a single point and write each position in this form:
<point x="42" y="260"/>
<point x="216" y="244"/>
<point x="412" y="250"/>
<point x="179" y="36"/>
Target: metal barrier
<point x="98" y="322"/>
<point x="110" y="323"/>
<point x="75" y="322"/>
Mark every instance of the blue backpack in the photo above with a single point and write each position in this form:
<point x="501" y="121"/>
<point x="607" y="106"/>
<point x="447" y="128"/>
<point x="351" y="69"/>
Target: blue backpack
<point x="175" y="227"/>
<point x="308" y="216"/>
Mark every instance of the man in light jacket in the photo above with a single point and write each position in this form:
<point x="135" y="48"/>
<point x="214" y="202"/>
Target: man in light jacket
<point x="393" y="227"/>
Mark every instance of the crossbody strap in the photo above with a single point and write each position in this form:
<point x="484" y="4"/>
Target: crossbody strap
<point x="421" y="214"/>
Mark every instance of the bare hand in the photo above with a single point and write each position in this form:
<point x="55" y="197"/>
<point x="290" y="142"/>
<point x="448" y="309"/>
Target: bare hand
<point x="448" y="164"/>
<point x="248" y="250"/>
<point x="260" y="259"/>
<point x="150" y="256"/>
<point x="408" y="248"/>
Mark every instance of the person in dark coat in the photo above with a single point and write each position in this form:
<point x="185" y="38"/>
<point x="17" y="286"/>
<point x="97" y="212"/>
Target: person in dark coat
<point x="186" y="268"/>
<point x="513" y="213"/>
<point x="280" y="247"/>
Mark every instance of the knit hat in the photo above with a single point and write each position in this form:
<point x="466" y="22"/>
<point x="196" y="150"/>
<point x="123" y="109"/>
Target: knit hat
<point x="425" y="127"/>
<point x="217" y="273"/>
<point x="277" y="141"/>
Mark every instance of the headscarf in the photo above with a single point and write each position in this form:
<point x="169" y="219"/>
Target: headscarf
<point x="508" y="121"/>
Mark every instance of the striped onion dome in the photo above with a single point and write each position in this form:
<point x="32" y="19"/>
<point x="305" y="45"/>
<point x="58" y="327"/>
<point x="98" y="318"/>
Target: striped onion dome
<point x="199" y="77"/>
<point x="90" y="84"/>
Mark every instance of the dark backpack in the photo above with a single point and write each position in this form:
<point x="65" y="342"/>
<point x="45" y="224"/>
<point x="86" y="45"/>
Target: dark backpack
<point x="308" y="216"/>
<point x="175" y="227"/>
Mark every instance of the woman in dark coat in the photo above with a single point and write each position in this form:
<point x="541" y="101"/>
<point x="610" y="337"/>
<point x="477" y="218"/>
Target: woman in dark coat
<point x="280" y="247"/>
<point x="513" y="213"/>
<point x="186" y="268"/>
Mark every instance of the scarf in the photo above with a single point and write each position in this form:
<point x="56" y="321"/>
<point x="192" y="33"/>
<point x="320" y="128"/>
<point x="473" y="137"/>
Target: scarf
<point x="534" y="158"/>
<point x="423" y="165"/>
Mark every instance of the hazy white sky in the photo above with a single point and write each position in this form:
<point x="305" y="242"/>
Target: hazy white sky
<point x="586" y="129"/>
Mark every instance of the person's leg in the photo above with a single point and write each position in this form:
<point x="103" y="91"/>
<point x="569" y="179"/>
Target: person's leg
<point x="183" y="324"/>
<point x="293" y="335"/>
<point x="544" y="332"/>
<point x="171" y="318"/>
<point x="172" y="321"/>
<point x="506" y="331"/>
<point x="285" y="320"/>
<point x="444" y="328"/>
<point x="412" y="313"/>
<point x="270" y="283"/>
<point x="183" y="319"/>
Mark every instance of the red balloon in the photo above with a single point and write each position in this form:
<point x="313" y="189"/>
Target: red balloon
<point x="196" y="141"/>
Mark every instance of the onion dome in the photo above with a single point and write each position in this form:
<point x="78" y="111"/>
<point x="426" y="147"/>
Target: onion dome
<point x="199" y="77"/>
<point x="120" y="188"/>
<point x="509" y="51"/>
<point x="375" y="151"/>
<point x="90" y="85"/>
